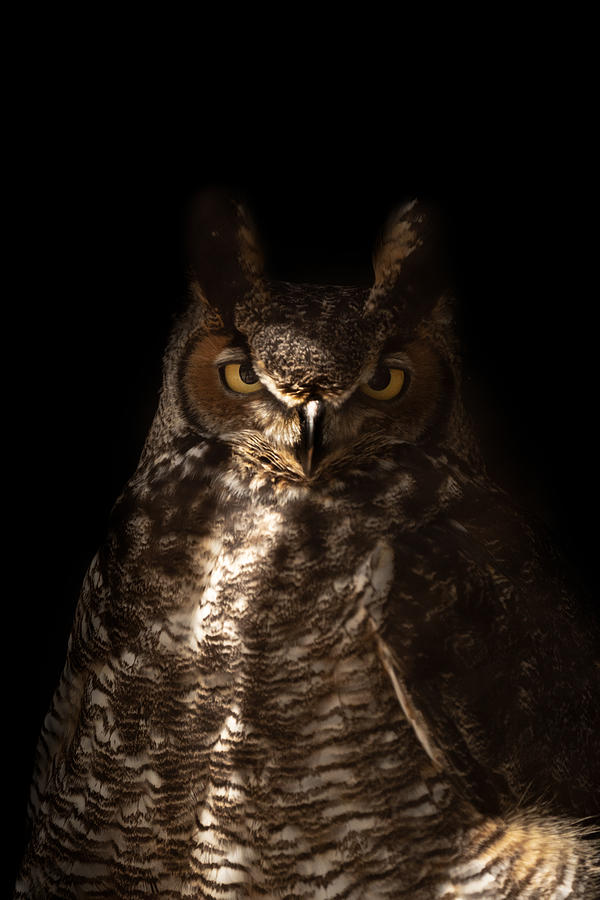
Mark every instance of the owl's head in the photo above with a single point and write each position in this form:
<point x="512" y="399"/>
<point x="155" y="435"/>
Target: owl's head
<point x="303" y="381"/>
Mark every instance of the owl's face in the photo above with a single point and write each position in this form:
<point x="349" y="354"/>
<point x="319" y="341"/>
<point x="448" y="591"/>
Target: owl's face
<point x="308" y="376"/>
<point x="305" y="380"/>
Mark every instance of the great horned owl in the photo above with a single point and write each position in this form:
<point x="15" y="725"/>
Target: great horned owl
<point x="320" y="654"/>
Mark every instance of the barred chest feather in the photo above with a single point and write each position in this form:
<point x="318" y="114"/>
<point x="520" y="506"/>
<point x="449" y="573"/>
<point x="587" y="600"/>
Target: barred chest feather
<point x="225" y="727"/>
<point x="295" y="764"/>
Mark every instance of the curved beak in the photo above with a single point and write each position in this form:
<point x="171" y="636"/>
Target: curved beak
<point x="311" y="424"/>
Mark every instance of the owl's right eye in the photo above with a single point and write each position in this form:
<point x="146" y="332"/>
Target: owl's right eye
<point x="240" y="377"/>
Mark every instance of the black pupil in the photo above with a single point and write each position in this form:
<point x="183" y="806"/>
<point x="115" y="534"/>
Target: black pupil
<point x="381" y="378"/>
<point x="247" y="374"/>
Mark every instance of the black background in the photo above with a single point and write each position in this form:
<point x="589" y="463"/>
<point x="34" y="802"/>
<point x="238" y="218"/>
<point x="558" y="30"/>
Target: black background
<point x="101" y="184"/>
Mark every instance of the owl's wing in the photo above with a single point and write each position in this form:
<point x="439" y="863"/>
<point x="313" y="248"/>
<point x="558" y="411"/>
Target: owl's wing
<point x="495" y="665"/>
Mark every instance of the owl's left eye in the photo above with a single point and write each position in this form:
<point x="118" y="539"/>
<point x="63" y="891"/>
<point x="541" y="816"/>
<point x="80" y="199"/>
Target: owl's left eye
<point x="241" y="378"/>
<point x="385" y="383"/>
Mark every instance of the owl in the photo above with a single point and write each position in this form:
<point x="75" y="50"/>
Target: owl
<point x="319" y="654"/>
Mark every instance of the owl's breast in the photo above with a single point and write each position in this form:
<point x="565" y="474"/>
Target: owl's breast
<point x="298" y="763"/>
<point x="225" y="724"/>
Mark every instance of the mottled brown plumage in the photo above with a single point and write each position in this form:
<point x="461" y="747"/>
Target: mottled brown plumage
<point x="320" y="654"/>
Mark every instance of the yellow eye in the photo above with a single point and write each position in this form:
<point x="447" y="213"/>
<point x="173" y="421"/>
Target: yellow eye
<point x="241" y="378"/>
<point x="385" y="384"/>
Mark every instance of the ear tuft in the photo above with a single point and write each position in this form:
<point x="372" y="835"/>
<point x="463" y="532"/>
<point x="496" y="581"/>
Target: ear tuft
<point x="399" y="238"/>
<point x="223" y="251"/>
<point x="410" y="264"/>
